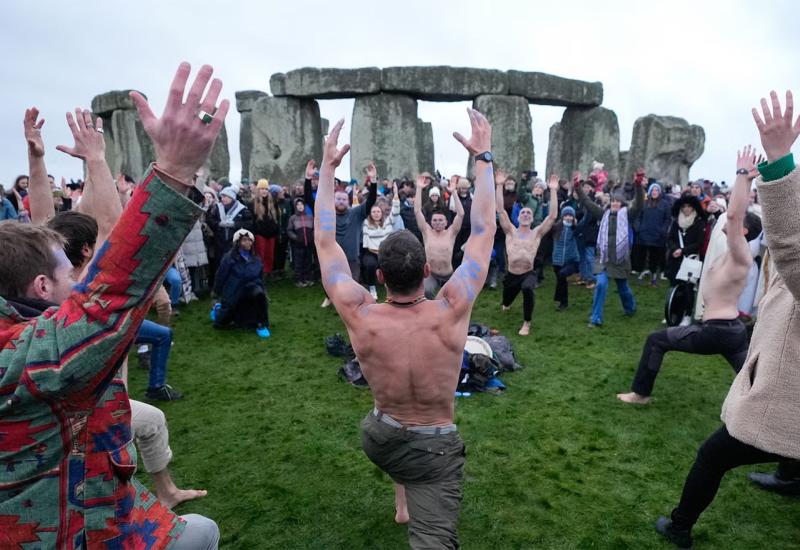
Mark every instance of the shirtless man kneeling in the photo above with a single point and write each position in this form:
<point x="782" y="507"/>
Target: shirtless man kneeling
<point x="521" y="246"/>
<point x="410" y="432"/>
<point x="721" y="331"/>
<point x="439" y="240"/>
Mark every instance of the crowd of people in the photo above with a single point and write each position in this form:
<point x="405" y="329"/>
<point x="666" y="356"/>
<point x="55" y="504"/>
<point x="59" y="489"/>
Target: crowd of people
<point x="76" y="273"/>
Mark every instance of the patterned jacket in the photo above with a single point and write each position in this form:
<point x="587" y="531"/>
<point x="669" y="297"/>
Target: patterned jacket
<point x="66" y="451"/>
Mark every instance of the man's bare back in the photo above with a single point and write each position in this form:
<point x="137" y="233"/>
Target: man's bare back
<point x="726" y="281"/>
<point x="411" y="357"/>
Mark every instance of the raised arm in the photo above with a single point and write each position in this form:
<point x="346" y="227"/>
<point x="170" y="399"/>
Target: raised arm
<point x="463" y="287"/>
<point x="455" y="227"/>
<point x="308" y="190"/>
<point x="638" y="200"/>
<point x="347" y="295"/>
<point x="588" y="203"/>
<point x="499" y="203"/>
<point x="105" y="310"/>
<point x="422" y="223"/>
<point x="746" y="172"/>
<point x="100" y="199"/>
<point x="40" y="194"/>
<point x="552" y="212"/>
<point x="779" y="189"/>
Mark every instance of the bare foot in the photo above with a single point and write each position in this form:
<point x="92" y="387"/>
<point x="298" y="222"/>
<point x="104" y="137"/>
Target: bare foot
<point x="634" y="398"/>
<point x="525" y="330"/>
<point x="178" y="496"/>
<point x="400" y="506"/>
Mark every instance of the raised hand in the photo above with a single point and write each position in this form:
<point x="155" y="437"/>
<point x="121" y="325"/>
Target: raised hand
<point x="88" y="136"/>
<point x="778" y="133"/>
<point x="182" y="140"/>
<point x="746" y="159"/>
<point x="500" y="177"/>
<point x="451" y="185"/>
<point x="481" y="138"/>
<point x="311" y="169"/>
<point x="552" y="183"/>
<point x="372" y="172"/>
<point x="422" y="182"/>
<point x="33" y="132"/>
<point x="331" y="154"/>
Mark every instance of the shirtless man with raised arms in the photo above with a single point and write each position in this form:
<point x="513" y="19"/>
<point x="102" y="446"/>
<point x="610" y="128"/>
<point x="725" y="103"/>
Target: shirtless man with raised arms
<point x="410" y="432"/>
<point x="439" y="240"/>
<point x="522" y="243"/>
<point x="721" y="331"/>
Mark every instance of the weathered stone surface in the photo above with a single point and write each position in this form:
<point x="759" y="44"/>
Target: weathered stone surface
<point x="444" y="83"/>
<point x="512" y="136"/>
<point x="666" y="147"/>
<point x="326" y="83"/>
<point x="547" y="89"/>
<point x="584" y="135"/>
<point x="324" y="125"/>
<point x="384" y="131"/>
<point x="285" y="133"/>
<point x="128" y="148"/>
<point x="555" y="151"/>
<point x="245" y="100"/>
<point x="104" y="104"/>
<point x="425" y="150"/>
<point x="219" y="161"/>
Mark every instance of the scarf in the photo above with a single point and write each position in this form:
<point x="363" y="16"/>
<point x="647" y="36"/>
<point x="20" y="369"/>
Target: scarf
<point x="226" y="218"/>
<point x="622" y="236"/>
<point x="685" y="222"/>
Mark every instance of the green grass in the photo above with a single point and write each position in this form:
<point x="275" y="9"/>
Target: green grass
<point x="555" y="462"/>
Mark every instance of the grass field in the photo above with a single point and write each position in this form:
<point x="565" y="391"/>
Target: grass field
<point x="555" y="462"/>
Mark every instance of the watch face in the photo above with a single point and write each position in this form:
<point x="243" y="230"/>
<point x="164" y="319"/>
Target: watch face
<point x="488" y="157"/>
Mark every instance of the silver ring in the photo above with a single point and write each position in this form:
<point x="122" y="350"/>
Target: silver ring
<point x="205" y="117"/>
<point x="90" y="125"/>
<point x="100" y="130"/>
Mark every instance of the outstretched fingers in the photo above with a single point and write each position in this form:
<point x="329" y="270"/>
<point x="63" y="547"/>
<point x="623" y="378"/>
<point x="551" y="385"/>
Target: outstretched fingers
<point x="198" y="86"/>
<point x="342" y="152"/>
<point x="176" y="89"/>
<point x="765" y="110"/>
<point x="209" y="103"/>
<point x="776" y="105"/>
<point x="143" y="108"/>
<point x="72" y="125"/>
<point x="219" y="116"/>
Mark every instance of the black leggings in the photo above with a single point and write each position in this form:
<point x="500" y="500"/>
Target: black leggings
<point x="717" y="337"/>
<point x="369" y="265"/>
<point x="562" y="288"/>
<point x="513" y="285"/>
<point x="718" y="454"/>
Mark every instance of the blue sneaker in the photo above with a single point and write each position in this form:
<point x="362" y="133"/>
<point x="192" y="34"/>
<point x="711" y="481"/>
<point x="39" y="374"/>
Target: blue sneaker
<point x="263" y="332"/>
<point x="213" y="313"/>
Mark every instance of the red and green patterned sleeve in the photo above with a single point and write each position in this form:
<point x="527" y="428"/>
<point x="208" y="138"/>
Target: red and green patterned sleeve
<point x="77" y="348"/>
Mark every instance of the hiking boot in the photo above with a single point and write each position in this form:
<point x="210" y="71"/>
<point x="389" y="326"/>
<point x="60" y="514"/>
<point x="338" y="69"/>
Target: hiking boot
<point x="682" y="538"/>
<point x="262" y="331"/>
<point x="144" y="360"/>
<point x="164" y="393"/>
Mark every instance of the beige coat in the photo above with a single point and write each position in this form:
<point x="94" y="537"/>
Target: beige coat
<point x="763" y="405"/>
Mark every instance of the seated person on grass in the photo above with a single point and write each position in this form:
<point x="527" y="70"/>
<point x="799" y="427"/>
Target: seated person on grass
<point x="410" y="433"/>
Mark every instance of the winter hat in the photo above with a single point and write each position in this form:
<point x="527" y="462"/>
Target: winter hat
<point x="228" y="192"/>
<point x="242" y="233"/>
<point x="435" y="191"/>
<point x="654" y="186"/>
<point x="567" y="211"/>
<point x="619" y="196"/>
<point x="263" y="184"/>
<point x="274" y="188"/>
<point x="540" y="183"/>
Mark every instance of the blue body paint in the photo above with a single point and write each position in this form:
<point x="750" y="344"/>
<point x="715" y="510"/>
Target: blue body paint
<point x="327" y="220"/>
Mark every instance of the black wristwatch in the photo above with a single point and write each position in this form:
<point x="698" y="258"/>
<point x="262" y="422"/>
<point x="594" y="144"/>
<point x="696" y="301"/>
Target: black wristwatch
<point x="743" y="171"/>
<point x="486" y="156"/>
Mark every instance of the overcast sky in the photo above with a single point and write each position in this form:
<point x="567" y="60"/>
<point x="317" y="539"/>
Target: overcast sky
<point x="708" y="62"/>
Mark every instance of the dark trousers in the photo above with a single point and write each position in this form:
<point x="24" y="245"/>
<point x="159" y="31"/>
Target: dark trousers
<point x="718" y="454"/>
<point x="301" y="258"/>
<point x="369" y="265"/>
<point x="281" y="249"/>
<point x="514" y="284"/>
<point x="562" y="288"/>
<point x="717" y="337"/>
<point x="652" y="257"/>
<point x="250" y="311"/>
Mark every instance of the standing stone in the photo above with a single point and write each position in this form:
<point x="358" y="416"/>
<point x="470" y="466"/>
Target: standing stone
<point x="128" y="148"/>
<point x="666" y="147"/>
<point x="425" y="151"/>
<point x="285" y="133"/>
<point x="512" y="136"/>
<point x="219" y="161"/>
<point x="244" y="104"/>
<point x="385" y="132"/>
<point x="555" y="152"/>
<point x="623" y="165"/>
<point x="583" y="136"/>
<point x="444" y="83"/>
<point x="326" y="83"/>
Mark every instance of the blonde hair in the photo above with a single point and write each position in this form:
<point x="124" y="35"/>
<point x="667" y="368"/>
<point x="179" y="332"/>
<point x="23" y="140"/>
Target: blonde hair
<point x="261" y="210"/>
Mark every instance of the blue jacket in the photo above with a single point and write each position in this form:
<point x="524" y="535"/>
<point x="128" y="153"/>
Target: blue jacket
<point x="654" y="222"/>
<point x="7" y="210"/>
<point x="235" y="275"/>
<point x="565" y="248"/>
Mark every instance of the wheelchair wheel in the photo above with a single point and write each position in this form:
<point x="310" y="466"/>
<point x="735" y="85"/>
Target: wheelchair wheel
<point x="679" y="298"/>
